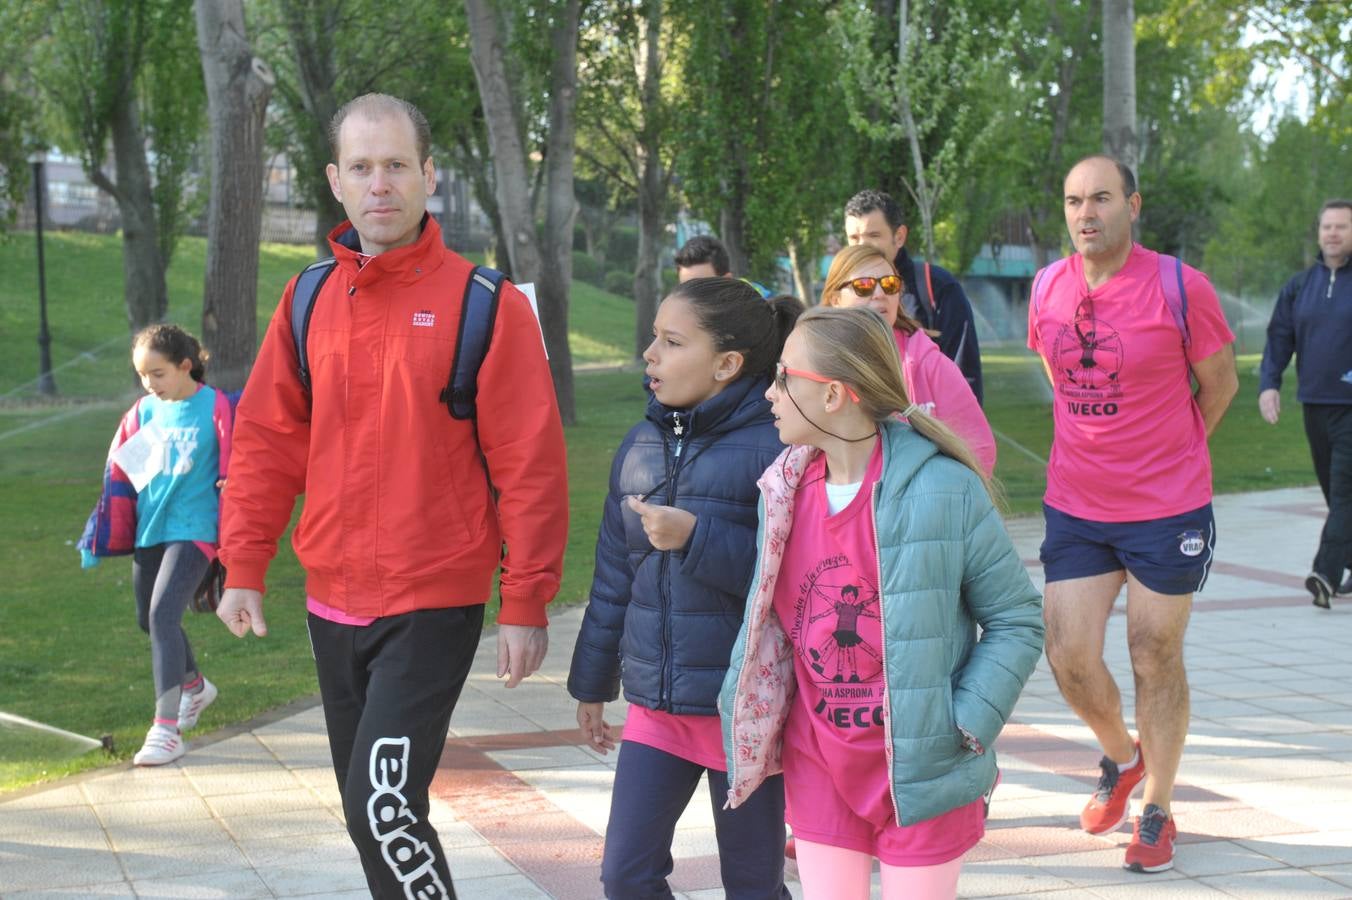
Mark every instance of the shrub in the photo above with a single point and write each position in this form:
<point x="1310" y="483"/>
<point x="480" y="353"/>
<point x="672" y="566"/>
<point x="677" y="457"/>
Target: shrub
<point x="618" y="281"/>
<point x="587" y="269"/>
<point x="621" y="247"/>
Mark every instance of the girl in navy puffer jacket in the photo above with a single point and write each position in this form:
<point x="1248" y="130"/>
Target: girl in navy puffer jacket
<point x="674" y="561"/>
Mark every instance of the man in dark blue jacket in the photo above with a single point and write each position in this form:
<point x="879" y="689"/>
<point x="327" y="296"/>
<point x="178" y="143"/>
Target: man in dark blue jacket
<point x="933" y="296"/>
<point x="1313" y="318"/>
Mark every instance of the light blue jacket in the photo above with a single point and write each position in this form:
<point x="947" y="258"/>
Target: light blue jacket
<point x="946" y="566"/>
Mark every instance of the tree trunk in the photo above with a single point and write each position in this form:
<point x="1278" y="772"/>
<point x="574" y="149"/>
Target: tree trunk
<point x="310" y="27"/>
<point x="803" y="262"/>
<point x="238" y="87"/>
<point x="925" y="198"/>
<point x="560" y="205"/>
<point x="147" y="296"/>
<point x="732" y="229"/>
<point x="652" y="187"/>
<point x="1119" y="81"/>
<point x="512" y="188"/>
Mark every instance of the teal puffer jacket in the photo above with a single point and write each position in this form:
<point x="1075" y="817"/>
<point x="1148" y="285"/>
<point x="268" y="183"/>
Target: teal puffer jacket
<point x="947" y="566"/>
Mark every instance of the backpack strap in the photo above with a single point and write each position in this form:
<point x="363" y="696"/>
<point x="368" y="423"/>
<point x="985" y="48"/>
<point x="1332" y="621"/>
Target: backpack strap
<point x="1042" y="279"/>
<point x="478" y="312"/>
<point x="308" y="283"/>
<point x="1175" y="295"/>
<point x="929" y="290"/>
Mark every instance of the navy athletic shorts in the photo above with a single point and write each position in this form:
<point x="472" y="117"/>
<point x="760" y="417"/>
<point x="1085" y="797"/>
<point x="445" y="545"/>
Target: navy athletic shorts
<point x="1170" y="555"/>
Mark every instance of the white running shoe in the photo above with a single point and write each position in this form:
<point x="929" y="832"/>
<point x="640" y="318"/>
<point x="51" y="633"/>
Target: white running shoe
<point x="190" y="706"/>
<point x="163" y="745"/>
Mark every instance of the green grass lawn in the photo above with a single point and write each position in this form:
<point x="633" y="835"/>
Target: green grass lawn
<point x="70" y="652"/>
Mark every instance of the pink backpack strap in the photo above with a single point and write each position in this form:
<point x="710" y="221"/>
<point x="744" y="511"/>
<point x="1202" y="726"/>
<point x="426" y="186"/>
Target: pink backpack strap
<point x="1175" y="295"/>
<point x="1043" y="278"/>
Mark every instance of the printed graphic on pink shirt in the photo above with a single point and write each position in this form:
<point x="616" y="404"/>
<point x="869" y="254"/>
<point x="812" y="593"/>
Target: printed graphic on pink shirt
<point x="837" y="624"/>
<point x="1089" y="353"/>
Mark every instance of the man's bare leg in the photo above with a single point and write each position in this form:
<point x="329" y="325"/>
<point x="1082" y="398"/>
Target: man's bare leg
<point x="1155" y="627"/>
<point x="1076" y="614"/>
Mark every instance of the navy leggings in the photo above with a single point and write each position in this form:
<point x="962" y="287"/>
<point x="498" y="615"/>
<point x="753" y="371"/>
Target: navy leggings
<point x="652" y="789"/>
<point x="164" y="578"/>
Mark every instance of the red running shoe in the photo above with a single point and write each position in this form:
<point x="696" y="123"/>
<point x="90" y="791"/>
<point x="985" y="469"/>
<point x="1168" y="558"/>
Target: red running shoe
<point x="1152" y="842"/>
<point x="1107" y="809"/>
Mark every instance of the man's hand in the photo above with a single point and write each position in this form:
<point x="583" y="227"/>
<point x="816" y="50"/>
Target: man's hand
<point x="241" y="610"/>
<point x="1270" y="405"/>
<point x="521" y="650"/>
<point x="667" y="527"/>
<point x="595" y="731"/>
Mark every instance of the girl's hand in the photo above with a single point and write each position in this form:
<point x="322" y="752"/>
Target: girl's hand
<point x="595" y="731"/>
<point x="667" y="527"/>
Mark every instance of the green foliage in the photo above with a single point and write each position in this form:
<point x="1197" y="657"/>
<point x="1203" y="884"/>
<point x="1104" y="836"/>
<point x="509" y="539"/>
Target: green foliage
<point x="940" y="98"/>
<point x="174" y="104"/>
<point x="587" y="269"/>
<point x="761" y="145"/>
<point x="620" y="282"/>
<point x="18" y="107"/>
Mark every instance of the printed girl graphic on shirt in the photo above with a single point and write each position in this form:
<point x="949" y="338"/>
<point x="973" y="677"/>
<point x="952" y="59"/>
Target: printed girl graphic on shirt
<point x="838" y="623"/>
<point x="844" y="643"/>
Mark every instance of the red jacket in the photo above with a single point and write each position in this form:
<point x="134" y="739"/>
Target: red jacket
<point x="399" y="510"/>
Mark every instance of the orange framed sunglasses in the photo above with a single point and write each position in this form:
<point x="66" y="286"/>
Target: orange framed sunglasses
<point x="864" y="285"/>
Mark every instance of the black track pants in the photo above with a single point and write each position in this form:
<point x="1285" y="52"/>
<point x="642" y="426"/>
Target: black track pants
<point x="388" y="690"/>
<point x="1329" y="430"/>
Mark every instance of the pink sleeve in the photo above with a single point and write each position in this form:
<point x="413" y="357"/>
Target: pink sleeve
<point x="939" y="380"/>
<point x="1207" y="327"/>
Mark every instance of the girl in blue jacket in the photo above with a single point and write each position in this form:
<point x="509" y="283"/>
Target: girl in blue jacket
<point x="673" y="564"/>
<point x="859" y="673"/>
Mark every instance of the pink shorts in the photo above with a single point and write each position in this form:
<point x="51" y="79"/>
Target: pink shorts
<point x="817" y="812"/>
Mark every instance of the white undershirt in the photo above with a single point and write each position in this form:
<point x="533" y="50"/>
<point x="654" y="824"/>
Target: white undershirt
<point x="839" y="496"/>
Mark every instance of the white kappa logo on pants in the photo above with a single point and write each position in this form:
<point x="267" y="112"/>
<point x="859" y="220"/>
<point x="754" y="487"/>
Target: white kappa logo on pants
<point x="410" y="859"/>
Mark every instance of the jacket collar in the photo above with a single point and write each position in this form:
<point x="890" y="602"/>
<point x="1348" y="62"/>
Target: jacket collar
<point x="904" y="452"/>
<point x="740" y="403"/>
<point x="404" y="264"/>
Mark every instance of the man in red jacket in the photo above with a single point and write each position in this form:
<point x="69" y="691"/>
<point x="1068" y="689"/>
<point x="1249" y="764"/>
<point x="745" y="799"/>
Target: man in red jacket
<point x="408" y="511"/>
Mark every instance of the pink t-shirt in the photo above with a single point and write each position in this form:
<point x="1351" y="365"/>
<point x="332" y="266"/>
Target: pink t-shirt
<point x="696" y="739"/>
<point x="936" y="385"/>
<point x="1130" y="442"/>
<point x="837" y="781"/>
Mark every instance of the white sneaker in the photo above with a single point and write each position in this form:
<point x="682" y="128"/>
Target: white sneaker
<point x="190" y="706"/>
<point x="163" y="745"/>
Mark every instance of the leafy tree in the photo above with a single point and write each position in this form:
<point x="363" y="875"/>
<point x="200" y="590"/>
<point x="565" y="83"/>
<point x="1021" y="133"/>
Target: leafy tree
<point x="627" y="96"/>
<point x="18" y="110"/>
<point x="763" y="151"/>
<point x="238" y="87"/>
<point x="933" y="96"/>
<point x="97" y="66"/>
<point x="506" y="79"/>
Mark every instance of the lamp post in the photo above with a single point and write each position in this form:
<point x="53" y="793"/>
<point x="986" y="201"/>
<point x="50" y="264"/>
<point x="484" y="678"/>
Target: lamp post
<point x="46" y="383"/>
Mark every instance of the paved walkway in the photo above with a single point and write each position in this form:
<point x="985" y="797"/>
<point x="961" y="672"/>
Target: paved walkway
<point x="1263" y="802"/>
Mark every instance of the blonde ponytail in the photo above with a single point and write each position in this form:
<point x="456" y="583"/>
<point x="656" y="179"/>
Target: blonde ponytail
<point x="855" y="346"/>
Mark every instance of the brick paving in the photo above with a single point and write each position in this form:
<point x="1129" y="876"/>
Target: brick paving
<point x="1263" y="801"/>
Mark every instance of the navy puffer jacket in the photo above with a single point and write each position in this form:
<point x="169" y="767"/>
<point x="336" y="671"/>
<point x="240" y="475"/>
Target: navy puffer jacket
<point x="665" y="621"/>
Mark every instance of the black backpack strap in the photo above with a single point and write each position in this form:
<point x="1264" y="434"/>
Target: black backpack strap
<point x="478" y="312"/>
<point x="303" y="297"/>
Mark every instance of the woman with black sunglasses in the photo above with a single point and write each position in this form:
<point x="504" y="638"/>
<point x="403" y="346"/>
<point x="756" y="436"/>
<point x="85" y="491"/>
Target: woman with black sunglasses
<point x="862" y="275"/>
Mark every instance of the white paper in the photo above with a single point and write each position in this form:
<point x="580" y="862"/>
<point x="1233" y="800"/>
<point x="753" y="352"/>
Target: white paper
<point x="529" y="290"/>
<point x="142" y="456"/>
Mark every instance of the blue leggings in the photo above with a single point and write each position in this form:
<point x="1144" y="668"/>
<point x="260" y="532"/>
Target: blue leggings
<point x="164" y="577"/>
<point x="652" y="789"/>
